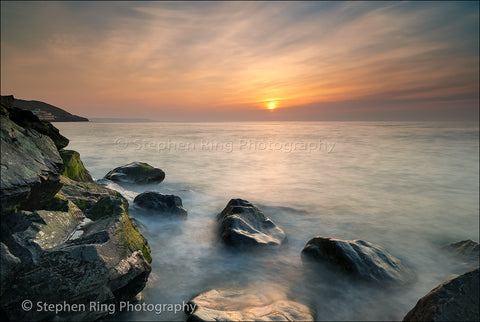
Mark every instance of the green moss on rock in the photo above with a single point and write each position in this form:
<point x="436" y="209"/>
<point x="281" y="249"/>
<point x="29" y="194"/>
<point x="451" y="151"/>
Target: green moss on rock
<point x="132" y="239"/>
<point x="57" y="203"/>
<point x="136" y="172"/>
<point x="107" y="206"/>
<point x="73" y="167"/>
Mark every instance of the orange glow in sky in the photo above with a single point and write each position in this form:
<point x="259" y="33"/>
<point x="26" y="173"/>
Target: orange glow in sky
<point x="272" y="105"/>
<point x="170" y="61"/>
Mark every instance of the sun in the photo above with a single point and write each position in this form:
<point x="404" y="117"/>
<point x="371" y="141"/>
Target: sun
<point x="272" y="105"/>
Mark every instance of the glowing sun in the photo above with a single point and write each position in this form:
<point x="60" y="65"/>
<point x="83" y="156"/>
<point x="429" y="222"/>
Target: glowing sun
<point x="272" y="105"/>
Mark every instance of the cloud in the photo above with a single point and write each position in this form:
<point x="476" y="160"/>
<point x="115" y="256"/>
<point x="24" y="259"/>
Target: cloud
<point x="223" y="56"/>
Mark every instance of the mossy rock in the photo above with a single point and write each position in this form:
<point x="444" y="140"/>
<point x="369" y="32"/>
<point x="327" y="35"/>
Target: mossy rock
<point x="136" y="172"/>
<point x="107" y="206"/>
<point x="132" y="239"/>
<point x="57" y="203"/>
<point x="73" y="167"/>
<point x="84" y="194"/>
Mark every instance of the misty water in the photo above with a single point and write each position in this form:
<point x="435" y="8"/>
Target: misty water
<point x="408" y="187"/>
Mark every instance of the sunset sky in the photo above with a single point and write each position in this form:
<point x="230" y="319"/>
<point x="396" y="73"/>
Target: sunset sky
<point x="212" y="61"/>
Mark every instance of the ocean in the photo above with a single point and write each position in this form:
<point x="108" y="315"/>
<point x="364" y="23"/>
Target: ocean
<point x="410" y="187"/>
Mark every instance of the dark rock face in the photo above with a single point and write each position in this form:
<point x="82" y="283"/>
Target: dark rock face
<point x="466" y="249"/>
<point x="357" y="257"/>
<point x="247" y="305"/>
<point x="30" y="167"/>
<point x="8" y="265"/>
<point x="158" y="202"/>
<point x="74" y="257"/>
<point x="455" y="300"/>
<point x="243" y="224"/>
<point x="73" y="167"/>
<point x="28" y="120"/>
<point x="136" y="172"/>
<point x="61" y="240"/>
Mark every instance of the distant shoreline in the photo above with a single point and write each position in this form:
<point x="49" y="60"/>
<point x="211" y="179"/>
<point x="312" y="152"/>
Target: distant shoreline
<point x="127" y="120"/>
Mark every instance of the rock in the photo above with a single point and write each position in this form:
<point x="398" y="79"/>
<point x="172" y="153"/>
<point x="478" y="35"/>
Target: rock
<point x="455" y="300"/>
<point x="73" y="256"/>
<point x="83" y="194"/>
<point x="6" y="102"/>
<point x="8" y="266"/>
<point x="466" y="249"/>
<point x="61" y="240"/>
<point x="136" y="172"/>
<point x="73" y="167"/>
<point x="243" y="224"/>
<point x="30" y="168"/>
<point x="159" y="202"/>
<point x="247" y="305"/>
<point x="357" y="257"/>
<point x="28" y="120"/>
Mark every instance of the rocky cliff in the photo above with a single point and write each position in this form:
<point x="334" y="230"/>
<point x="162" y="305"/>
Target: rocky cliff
<point x="63" y="237"/>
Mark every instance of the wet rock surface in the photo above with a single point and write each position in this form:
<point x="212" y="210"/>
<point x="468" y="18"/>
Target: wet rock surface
<point x="247" y="305"/>
<point x="467" y="250"/>
<point x="359" y="258"/>
<point x="136" y="172"/>
<point x="243" y="224"/>
<point x="455" y="300"/>
<point x="161" y="203"/>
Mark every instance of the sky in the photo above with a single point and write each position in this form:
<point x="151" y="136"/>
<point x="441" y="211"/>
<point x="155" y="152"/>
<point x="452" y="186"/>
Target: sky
<point x="245" y="61"/>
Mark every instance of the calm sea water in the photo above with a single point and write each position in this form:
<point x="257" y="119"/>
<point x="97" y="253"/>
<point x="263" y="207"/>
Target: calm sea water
<point x="409" y="187"/>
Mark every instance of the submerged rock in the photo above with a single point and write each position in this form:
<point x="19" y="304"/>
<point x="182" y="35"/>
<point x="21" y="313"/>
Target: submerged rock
<point x="455" y="300"/>
<point x="159" y="202"/>
<point x="247" y="305"/>
<point x="73" y="167"/>
<point x="243" y="224"/>
<point x="465" y="249"/>
<point x="136" y="172"/>
<point x="30" y="168"/>
<point x="357" y="257"/>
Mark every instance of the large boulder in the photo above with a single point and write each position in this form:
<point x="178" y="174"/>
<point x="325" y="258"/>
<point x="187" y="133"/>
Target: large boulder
<point x="161" y="203"/>
<point x="61" y="240"/>
<point x="243" y="224"/>
<point x="246" y="305"/>
<point x="76" y="256"/>
<point x="455" y="300"/>
<point x="359" y="258"/>
<point x="136" y="172"/>
<point x="30" y="167"/>
<point x="73" y="167"/>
